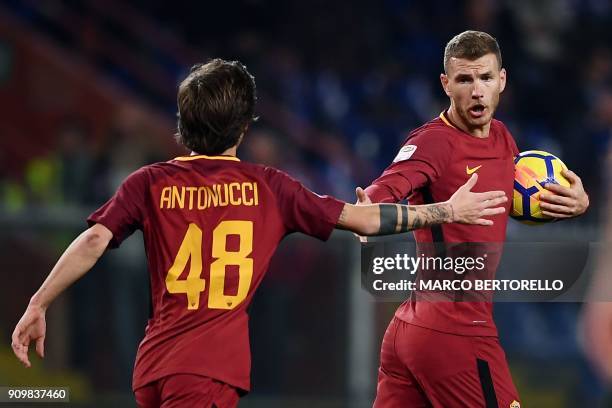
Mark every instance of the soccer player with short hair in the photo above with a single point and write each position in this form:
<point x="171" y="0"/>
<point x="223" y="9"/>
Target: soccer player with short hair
<point x="211" y="223"/>
<point x="447" y="354"/>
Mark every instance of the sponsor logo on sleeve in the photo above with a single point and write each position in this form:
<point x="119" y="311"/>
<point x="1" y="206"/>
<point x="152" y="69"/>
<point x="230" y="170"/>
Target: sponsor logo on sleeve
<point x="515" y="404"/>
<point x="405" y="153"/>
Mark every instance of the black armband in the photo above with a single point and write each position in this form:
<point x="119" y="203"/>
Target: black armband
<point x="388" y="219"/>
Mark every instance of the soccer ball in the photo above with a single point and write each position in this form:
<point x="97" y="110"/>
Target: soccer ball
<point x="532" y="170"/>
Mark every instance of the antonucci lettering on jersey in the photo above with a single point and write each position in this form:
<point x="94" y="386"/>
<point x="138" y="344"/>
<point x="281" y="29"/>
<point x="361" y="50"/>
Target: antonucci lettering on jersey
<point x="203" y="197"/>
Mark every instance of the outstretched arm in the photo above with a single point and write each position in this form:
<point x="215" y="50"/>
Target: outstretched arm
<point x="78" y="258"/>
<point x="386" y="219"/>
<point x="463" y="207"/>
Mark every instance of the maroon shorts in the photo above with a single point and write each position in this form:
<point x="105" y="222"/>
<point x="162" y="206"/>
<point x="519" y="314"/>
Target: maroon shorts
<point x="425" y="368"/>
<point x="186" y="390"/>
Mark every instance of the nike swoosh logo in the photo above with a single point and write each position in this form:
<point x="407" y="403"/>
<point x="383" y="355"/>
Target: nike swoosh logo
<point x="472" y="171"/>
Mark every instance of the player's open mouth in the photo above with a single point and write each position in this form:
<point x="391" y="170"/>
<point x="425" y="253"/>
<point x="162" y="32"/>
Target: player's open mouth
<point x="477" y="110"/>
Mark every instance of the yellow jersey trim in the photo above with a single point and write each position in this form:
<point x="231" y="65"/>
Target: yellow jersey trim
<point x="202" y="156"/>
<point x="443" y="117"/>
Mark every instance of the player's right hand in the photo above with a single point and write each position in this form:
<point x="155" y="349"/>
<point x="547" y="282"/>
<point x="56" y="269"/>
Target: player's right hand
<point x="31" y="328"/>
<point x="471" y="208"/>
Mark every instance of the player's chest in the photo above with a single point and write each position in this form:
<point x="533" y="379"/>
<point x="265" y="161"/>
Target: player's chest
<point x="493" y="164"/>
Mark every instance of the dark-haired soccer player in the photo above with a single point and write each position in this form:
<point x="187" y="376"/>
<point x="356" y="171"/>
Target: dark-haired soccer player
<point x="447" y="354"/>
<point x="211" y="224"/>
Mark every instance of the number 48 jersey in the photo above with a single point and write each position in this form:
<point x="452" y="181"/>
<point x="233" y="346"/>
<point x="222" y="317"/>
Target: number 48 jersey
<point x="210" y="226"/>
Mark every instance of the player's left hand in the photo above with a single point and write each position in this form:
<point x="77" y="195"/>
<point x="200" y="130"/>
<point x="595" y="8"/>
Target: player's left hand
<point x="566" y="202"/>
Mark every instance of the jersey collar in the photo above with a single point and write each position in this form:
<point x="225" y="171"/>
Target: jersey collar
<point x="446" y="120"/>
<point x="202" y="156"/>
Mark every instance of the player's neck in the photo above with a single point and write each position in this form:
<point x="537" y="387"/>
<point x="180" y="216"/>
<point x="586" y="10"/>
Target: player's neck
<point x="480" y="132"/>
<point x="232" y="151"/>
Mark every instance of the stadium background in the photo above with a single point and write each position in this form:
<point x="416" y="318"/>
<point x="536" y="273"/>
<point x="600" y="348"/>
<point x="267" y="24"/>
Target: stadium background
<point x="87" y="95"/>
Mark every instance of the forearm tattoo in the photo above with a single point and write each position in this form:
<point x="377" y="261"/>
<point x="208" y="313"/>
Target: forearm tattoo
<point x="415" y="217"/>
<point x="396" y="218"/>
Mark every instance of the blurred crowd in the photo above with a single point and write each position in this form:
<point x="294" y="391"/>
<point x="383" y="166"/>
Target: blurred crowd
<point x="339" y="87"/>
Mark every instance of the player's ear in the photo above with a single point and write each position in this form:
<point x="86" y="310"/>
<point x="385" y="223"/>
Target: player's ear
<point x="502" y="80"/>
<point x="444" y="81"/>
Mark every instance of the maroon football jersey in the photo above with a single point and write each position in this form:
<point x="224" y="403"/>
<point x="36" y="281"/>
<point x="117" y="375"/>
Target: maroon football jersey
<point x="435" y="160"/>
<point x="210" y="226"/>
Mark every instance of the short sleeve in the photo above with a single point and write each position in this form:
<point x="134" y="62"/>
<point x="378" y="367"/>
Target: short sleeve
<point x="124" y="213"/>
<point x="420" y="161"/>
<point x="302" y="210"/>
